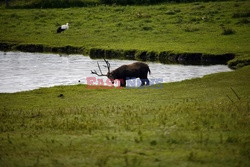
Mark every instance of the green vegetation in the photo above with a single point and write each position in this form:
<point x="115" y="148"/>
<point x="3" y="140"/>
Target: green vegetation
<point x="205" y="28"/>
<point x="239" y="62"/>
<point x="199" y="122"/>
<point x="82" y="3"/>
<point x="191" y="123"/>
<point x="48" y="3"/>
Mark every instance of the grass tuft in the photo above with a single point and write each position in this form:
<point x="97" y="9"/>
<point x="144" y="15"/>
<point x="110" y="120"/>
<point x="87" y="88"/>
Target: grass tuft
<point x="228" y="31"/>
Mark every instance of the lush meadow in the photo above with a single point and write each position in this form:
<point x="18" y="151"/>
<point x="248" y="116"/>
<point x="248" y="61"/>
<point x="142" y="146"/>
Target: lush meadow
<point x="83" y="3"/>
<point x="198" y="122"/>
<point x="191" y="123"/>
<point x="214" y="27"/>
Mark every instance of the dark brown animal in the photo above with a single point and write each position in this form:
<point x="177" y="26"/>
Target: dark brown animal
<point x="134" y="70"/>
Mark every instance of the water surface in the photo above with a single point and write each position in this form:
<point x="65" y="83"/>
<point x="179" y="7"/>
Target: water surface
<point x="21" y="71"/>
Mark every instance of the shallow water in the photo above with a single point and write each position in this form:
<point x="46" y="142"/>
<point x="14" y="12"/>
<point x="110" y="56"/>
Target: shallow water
<point x="27" y="71"/>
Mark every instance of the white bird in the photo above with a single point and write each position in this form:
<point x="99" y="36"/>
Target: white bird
<point x="63" y="28"/>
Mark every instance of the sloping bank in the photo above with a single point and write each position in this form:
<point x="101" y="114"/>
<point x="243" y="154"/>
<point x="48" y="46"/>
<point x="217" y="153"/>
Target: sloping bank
<point x="167" y="57"/>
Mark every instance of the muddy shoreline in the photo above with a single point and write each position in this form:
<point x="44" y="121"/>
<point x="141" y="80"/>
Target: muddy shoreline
<point x="166" y="57"/>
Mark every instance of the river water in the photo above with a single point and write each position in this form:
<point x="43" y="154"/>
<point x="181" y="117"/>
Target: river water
<point x="21" y="71"/>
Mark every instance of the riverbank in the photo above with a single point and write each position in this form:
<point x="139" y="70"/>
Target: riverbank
<point x="194" y="122"/>
<point x="166" y="57"/>
<point x="172" y="33"/>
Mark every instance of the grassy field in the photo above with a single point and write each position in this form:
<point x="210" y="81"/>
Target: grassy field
<point x="215" y="28"/>
<point x="14" y="4"/>
<point x="27" y="4"/>
<point x="198" y="122"/>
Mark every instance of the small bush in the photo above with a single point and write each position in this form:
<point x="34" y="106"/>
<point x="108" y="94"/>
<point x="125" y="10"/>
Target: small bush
<point x="239" y="63"/>
<point x="145" y="28"/>
<point x="191" y="156"/>
<point x="191" y="29"/>
<point x="195" y="19"/>
<point x="142" y="15"/>
<point x="227" y="31"/>
<point x="232" y="139"/>
<point x="179" y="20"/>
<point x="170" y="12"/>
<point x="153" y="143"/>
<point x="129" y="54"/>
<point x="131" y="2"/>
<point x="141" y="55"/>
<point x="236" y="5"/>
<point x="199" y="7"/>
<point x="242" y="14"/>
<point x="243" y="21"/>
<point x="168" y="57"/>
<point x="152" y="56"/>
<point x="14" y="16"/>
<point x="173" y="12"/>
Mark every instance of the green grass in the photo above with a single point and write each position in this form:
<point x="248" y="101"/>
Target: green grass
<point x="198" y="122"/>
<point x="212" y="28"/>
<point x="192" y="27"/>
<point x="48" y="3"/>
<point x="81" y="3"/>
